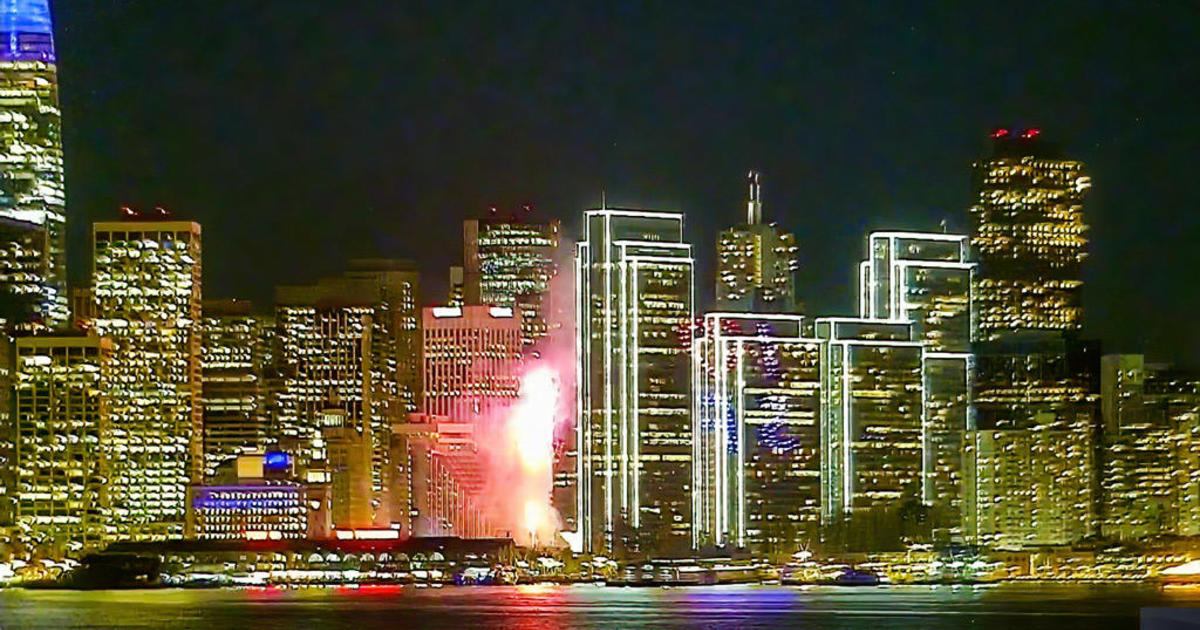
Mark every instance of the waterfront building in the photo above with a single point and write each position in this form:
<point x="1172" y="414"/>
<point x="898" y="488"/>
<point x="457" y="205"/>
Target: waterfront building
<point x="472" y="360"/>
<point x="235" y="353"/>
<point x="1028" y="233"/>
<point x="1030" y="459"/>
<point x="1172" y="397"/>
<point x="438" y="482"/>
<point x="261" y="502"/>
<point x="146" y="285"/>
<point x="62" y="436"/>
<point x="926" y="278"/>
<point x="350" y="342"/>
<point x="757" y="262"/>
<point x="1148" y="456"/>
<point x="512" y="262"/>
<point x="634" y="288"/>
<point x="758" y="436"/>
<point x="872" y="443"/>
<point x="33" y="264"/>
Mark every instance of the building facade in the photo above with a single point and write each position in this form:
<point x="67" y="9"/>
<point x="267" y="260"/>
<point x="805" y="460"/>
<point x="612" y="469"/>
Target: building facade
<point x="63" y="438"/>
<point x="353" y="343"/>
<point x="235" y="354"/>
<point x="439" y="482"/>
<point x="472" y="361"/>
<point x="634" y="288"/>
<point x="758" y="437"/>
<point x="1028" y="232"/>
<point x="1147" y="458"/>
<point x="872" y="439"/>
<point x="33" y="265"/>
<point x="757" y="262"/>
<point x="146" y="275"/>
<point x="512" y="262"/>
<point x="926" y="279"/>
<point x="1030" y="459"/>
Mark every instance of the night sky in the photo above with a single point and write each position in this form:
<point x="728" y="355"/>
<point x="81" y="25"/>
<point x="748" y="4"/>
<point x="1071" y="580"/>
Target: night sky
<point x="302" y="133"/>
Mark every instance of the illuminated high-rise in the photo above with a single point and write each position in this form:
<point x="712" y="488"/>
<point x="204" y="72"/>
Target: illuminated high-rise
<point x="758" y="437"/>
<point x="757" y="262"/>
<point x="634" y="287"/>
<point x="925" y="279"/>
<point x="512" y="262"/>
<point x="472" y="361"/>
<point x="235" y="352"/>
<point x="1149" y="468"/>
<point x="349" y="343"/>
<point x="63" y="435"/>
<point x="1030" y="470"/>
<point x="146" y="278"/>
<point x="872" y="444"/>
<point x="1028" y="233"/>
<point x="32" y="193"/>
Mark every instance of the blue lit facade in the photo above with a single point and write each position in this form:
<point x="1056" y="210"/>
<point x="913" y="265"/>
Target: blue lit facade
<point x="757" y="379"/>
<point x="32" y="192"/>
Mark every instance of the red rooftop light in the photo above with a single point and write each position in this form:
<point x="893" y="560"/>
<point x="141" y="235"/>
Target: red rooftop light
<point x="1000" y="133"/>
<point x="1031" y="133"/>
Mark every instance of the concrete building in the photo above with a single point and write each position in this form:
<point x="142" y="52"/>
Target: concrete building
<point x="146" y="284"/>
<point x="1028" y="232"/>
<point x="757" y="262"/>
<point x="261" y="502"/>
<point x="472" y="360"/>
<point x="350" y="342"/>
<point x="235" y="354"/>
<point x="1030" y="460"/>
<point x="63" y="437"/>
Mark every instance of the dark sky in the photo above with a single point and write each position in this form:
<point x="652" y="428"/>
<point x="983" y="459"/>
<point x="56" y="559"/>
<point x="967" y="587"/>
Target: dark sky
<point x="302" y="133"/>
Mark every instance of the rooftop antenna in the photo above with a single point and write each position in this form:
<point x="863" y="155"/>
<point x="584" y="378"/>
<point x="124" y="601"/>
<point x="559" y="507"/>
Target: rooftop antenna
<point x="603" y="202"/>
<point x="754" y="205"/>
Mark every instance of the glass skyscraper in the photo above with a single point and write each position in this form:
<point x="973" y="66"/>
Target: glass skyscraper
<point x="32" y="195"/>
<point x="634" y="289"/>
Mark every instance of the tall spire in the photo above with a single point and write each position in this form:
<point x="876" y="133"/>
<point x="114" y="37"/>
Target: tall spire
<point x="26" y="31"/>
<point x="754" y="206"/>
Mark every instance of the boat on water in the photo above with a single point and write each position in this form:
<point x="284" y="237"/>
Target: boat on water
<point x="857" y="577"/>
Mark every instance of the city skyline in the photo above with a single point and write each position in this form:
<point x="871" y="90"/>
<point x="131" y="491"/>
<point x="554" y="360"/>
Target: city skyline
<point x="835" y="165"/>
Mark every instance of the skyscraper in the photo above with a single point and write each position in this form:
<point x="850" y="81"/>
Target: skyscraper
<point x="512" y="261"/>
<point x="350" y="343"/>
<point x="925" y="279"/>
<point x="1028" y="232"/>
<point x="472" y="361"/>
<point x="235" y="352"/>
<point x="1148" y="455"/>
<point x="146" y="276"/>
<point x="758" y="437"/>
<point x="872" y="468"/>
<point x="63" y="437"/>
<point x="756" y="262"/>
<point x="634" y="276"/>
<point x="32" y="194"/>
<point x="1030" y="459"/>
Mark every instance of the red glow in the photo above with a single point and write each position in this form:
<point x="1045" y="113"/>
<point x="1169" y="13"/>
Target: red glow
<point x="1000" y="133"/>
<point x="1031" y="133"/>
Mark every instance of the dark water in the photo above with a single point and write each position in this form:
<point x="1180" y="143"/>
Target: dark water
<point x="1025" y="607"/>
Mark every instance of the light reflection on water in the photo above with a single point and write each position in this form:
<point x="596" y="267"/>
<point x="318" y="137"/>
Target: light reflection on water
<point x="553" y="607"/>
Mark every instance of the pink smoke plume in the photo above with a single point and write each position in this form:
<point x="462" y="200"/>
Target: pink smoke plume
<point x="520" y="447"/>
